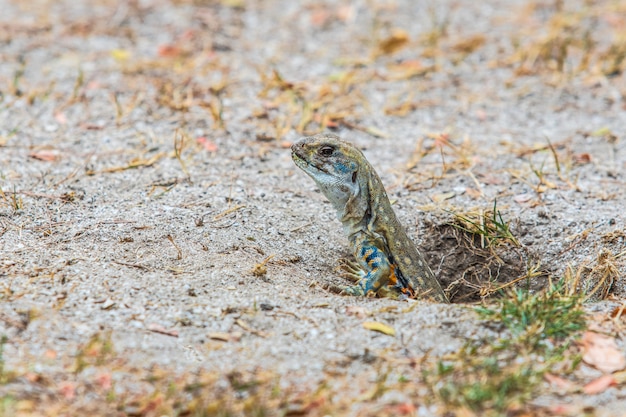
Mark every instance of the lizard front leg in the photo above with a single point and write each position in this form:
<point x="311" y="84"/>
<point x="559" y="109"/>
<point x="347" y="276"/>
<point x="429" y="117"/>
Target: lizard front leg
<point x="375" y="268"/>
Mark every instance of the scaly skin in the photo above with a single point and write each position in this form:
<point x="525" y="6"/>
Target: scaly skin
<point x="388" y="263"/>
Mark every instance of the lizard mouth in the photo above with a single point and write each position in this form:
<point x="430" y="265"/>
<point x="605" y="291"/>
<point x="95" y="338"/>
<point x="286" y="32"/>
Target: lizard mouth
<point x="305" y="165"/>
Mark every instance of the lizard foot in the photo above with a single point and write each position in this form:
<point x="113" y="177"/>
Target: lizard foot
<point x="358" y="290"/>
<point x="350" y="270"/>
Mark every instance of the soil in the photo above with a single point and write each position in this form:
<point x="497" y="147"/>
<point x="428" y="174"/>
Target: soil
<point x="148" y="197"/>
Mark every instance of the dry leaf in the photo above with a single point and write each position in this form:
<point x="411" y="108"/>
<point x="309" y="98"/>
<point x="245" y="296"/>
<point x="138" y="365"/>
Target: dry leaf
<point x="399" y="39"/>
<point x="599" y="385"/>
<point x="160" y="329"/>
<point x="601" y="352"/>
<point x="68" y="390"/>
<point x="320" y="16"/>
<point x="207" y="144"/>
<point x="473" y="193"/>
<point x="376" y="132"/>
<point x="408" y="69"/>
<point x="559" y="382"/>
<point x="60" y="117"/>
<point x="564" y="409"/>
<point x="620" y="377"/>
<point x="469" y="43"/>
<point x="120" y="54"/>
<point x="226" y="337"/>
<point x="104" y="380"/>
<point x="357" y="311"/>
<point x="618" y="312"/>
<point x="523" y="198"/>
<point x="168" y="51"/>
<point x="379" y="327"/>
<point x="582" y="158"/>
<point x="345" y="13"/>
<point x="48" y="156"/>
<point x="443" y="196"/>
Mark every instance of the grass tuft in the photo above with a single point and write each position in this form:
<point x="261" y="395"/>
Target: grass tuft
<point x="498" y="376"/>
<point x="488" y="225"/>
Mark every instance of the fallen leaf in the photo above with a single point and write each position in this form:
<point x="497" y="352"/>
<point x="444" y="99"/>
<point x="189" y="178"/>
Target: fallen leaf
<point x="399" y="39"/>
<point x="32" y="377"/>
<point x="320" y="16"/>
<point x="48" y="156"/>
<point x="473" y="192"/>
<point x="225" y="337"/>
<point x="620" y="377"/>
<point x="24" y="406"/>
<point x="437" y="198"/>
<point x="120" y="54"/>
<point x="618" y="312"/>
<point x="379" y="327"/>
<point x="599" y="385"/>
<point x="134" y="163"/>
<point x="582" y="158"/>
<point x="207" y="144"/>
<point x="403" y="409"/>
<point x="68" y="390"/>
<point x="160" y="329"/>
<point x="408" y="69"/>
<point x="559" y="382"/>
<point x="104" y="380"/>
<point x="345" y="13"/>
<point x="564" y="409"/>
<point x="469" y="43"/>
<point x="523" y="198"/>
<point x="168" y="51"/>
<point x="601" y="352"/>
<point x="60" y="117"/>
<point x="357" y="311"/>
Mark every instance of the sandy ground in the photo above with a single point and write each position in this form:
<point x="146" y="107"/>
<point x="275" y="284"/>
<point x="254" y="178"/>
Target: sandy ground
<point x="145" y="174"/>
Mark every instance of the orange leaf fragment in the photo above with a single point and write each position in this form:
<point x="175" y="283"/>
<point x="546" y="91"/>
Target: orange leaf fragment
<point x="68" y="390"/>
<point x="104" y="380"/>
<point x="618" y="312"/>
<point x="207" y="144"/>
<point x="60" y="117"/>
<point x="582" y="158"/>
<point x="168" y="50"/>
<point x="601" y="352"/>
<point x="559" y="382"/>
<point x="404" y="409"/>
<point x="320" y="16"/>
<point x="48" y="156"/>
<point x="599" y="385"/>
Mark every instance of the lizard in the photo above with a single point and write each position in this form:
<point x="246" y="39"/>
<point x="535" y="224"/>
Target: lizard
<point x="388" y="263"/>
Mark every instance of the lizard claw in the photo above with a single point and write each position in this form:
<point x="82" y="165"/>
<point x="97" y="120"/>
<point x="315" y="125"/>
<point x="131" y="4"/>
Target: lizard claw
<point x="350" y="270"/>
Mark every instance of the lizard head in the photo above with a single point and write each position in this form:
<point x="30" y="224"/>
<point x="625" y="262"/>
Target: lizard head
<point x="334" y="165"/>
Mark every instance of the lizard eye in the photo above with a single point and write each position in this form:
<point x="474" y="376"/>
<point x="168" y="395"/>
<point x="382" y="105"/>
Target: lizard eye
<point x="326" y="151"/>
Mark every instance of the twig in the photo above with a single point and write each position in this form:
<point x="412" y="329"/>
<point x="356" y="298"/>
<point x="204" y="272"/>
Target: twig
<point x="180" y="252"/>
